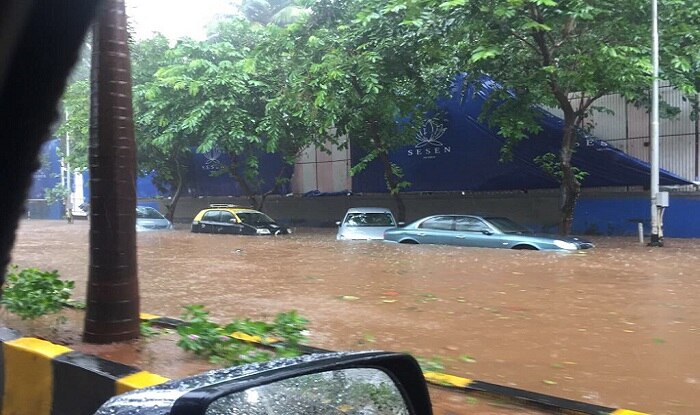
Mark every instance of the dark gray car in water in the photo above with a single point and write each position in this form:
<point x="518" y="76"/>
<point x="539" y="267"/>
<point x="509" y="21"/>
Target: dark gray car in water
<point x="480" y="231"/>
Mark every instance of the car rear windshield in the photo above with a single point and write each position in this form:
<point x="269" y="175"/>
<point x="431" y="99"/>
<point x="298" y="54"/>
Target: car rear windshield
<point x="369" y="219"/>
<point x="506" y="225"/>
<point x="145" y="212"/>
<point x="254" y="218"/>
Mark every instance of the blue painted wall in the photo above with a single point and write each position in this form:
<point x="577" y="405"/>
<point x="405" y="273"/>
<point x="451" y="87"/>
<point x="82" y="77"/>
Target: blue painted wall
<point x="620" y="215"/>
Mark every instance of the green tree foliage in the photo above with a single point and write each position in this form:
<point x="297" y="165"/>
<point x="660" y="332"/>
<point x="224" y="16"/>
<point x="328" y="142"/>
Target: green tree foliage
<point x="279" y="12"/>
<point x="209" y="95"/>
<point x="565" y="54"/>
<point x="76" y="125"/>
<point x="164" y="149"/>
<point x="353" y="75"/>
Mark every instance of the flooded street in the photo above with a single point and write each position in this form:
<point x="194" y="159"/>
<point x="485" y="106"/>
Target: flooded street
<point x="617" y="326"/>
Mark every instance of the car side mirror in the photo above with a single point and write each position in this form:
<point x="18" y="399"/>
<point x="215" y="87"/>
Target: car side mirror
<point x="337" y="223"/>
<point x="402" y="223"/>
<point x="332" y="383"/>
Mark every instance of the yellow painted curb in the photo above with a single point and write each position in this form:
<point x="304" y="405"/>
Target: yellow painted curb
<point x="28" y="375"/>
<point x="443" y="379"/>
<point x="38" y="346"/>
<point x="253" y="339"/>
<point x="137" y="381"/>
<point x="627" y="412"/>
<point x="146" y="316"/>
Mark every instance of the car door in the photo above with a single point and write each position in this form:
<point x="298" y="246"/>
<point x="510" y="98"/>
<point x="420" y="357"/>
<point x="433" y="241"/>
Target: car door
<point x="210" y="221"/>
<point x="229" y="223"/>
<point x="436" y="230"/>
<point x="472" y="231"/>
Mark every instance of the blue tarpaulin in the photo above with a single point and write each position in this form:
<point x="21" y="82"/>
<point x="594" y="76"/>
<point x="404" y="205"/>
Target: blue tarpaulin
<point x="206" y="178"/>
<point x="458" y="152"/>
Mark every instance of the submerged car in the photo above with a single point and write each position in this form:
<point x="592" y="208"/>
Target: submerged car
<point x="237" y="220"/>
<point x="479" y="231"/>
<point x="149" y="219"/>
<point x="365" y="223"/>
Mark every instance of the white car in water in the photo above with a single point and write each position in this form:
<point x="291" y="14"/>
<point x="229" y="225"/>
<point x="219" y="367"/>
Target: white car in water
<point x="365" y="223"/>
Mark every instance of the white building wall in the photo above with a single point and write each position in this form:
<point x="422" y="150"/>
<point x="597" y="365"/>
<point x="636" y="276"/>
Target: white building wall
<point x="628" y="128"/>
<point x="325" y="170"/>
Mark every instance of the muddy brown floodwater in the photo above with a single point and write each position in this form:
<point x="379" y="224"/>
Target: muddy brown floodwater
<point x="617" y="326"/>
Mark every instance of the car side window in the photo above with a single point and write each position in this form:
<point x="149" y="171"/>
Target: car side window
<point x="212" y="216"/>
<point x="441" y="222"/>
<point x="226" y="217"/>
<point x="467" y="224"/>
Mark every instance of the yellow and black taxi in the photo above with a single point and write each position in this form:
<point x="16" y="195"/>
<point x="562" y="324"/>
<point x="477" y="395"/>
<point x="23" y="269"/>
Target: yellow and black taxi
<point x="236" y="220"/>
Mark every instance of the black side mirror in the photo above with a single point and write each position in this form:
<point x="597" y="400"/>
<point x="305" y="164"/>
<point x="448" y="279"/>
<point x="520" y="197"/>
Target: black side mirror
<point x="327" y="384"/>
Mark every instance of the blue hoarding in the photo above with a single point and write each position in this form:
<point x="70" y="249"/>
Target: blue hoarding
<point x="456" y="151"/>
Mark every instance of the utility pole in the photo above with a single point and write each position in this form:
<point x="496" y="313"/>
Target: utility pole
<point x="69" y="173"/>
<point x="656" y="231"/>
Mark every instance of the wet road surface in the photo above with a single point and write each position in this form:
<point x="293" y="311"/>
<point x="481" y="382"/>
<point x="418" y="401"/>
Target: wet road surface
<point x="617" y="326"/>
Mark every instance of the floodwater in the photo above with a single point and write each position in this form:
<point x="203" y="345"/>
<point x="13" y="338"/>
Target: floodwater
<point x="617" y="326"/>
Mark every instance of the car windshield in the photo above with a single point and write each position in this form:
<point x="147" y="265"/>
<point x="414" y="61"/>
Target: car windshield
<point x="370" y="219"/>
<point x="145" y="212"/>
<point x="506" y="225"/>
<point x="254" y="218"/>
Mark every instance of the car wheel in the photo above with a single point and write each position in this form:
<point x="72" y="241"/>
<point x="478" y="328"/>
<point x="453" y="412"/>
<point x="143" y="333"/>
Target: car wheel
<point x="525" y="247"/>
<point x="409" y="241"/>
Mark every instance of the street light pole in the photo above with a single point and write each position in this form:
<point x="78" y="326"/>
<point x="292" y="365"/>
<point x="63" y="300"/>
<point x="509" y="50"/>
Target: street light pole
<point x="69" y="173"/>
<point x="655" y="210"/>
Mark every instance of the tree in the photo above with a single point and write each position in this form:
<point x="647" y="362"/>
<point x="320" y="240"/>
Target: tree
<point x="76" y="123"/>
<point x="112" y="309"/>
<point x="216" y="96"/>
<point x="163" y="151"/>
<point x="279" y="12"/>
<point x="73" y="129"/>
<point x="354" y="74"/>
<point x="544" y="52"/>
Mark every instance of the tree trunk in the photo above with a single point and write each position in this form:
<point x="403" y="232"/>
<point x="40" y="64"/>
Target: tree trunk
<point x="279" y="179"/>
<point x="170" y="214"/>
<point x="112" y="312"/>
<point x="393" y="185"/>
<point x="570" y="186"/>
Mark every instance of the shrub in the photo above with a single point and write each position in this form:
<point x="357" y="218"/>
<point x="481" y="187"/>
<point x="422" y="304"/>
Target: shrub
<point x="205" y="338"/>
<point x="32" y="293"/>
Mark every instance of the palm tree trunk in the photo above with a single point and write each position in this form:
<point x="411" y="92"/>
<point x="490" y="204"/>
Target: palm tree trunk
<point x="112" y="295"/>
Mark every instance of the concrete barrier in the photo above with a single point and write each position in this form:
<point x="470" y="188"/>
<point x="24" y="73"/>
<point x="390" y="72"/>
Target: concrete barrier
<point x="41" y="378"/>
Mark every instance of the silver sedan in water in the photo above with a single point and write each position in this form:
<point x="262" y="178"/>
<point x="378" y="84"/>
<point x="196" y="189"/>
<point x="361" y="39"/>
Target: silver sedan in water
<point x="365" y="223"/>
<point x="479" y="231"/>
<point x="149" y="219"/>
